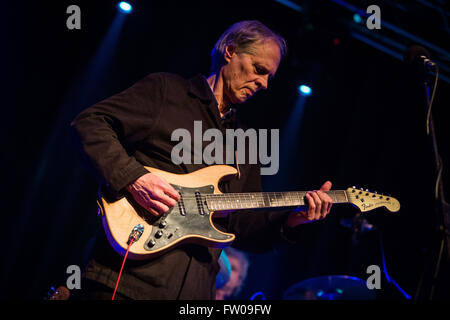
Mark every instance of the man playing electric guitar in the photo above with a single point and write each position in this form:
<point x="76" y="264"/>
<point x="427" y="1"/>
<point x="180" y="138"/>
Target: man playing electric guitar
<point x="130" y="131"/>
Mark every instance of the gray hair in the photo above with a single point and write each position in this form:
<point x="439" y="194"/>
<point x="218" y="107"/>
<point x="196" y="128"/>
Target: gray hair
<point x="243" y="36"/>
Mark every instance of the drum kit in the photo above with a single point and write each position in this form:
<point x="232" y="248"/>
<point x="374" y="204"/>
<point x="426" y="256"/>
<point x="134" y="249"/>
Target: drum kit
<point x="335" y="287"/>
<point x="330" y="287"/>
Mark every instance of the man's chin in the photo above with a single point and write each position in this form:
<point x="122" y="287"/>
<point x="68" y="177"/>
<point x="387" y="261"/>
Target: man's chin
<point x="240" y="98"/>
<point x="243" y="98"/>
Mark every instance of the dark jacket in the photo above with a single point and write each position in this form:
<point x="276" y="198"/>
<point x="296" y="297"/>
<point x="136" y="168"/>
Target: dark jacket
<point x="121" y="134"/>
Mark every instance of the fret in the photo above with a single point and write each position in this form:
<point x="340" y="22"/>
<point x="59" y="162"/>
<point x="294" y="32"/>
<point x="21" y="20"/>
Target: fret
<point x="291" y="201"/>
<point x="332" y="194"/>
<point x="232" y="204"/>
<point x="252" y="199"/>
<point x="274" y="199"/>
<point x="292" y="198"/>
<point x="217" y="203"/>
<point x="287" y="199"/>
<point x="267" y="200"/>
<point x="300" y="196"/>
<point x="248" y="201"/>
<point x="341" y="196"/>
<point x="294" y="201"/>
<point x="280" y="199"/>
<point x="283" y="198"/>
<point x="243" y="201"/>
<point x="271" y="199"/>
<point x="260" y="201"/>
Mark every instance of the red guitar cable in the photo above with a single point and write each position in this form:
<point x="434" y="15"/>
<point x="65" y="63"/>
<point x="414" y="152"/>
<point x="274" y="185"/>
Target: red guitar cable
<point x="121" y="269"/>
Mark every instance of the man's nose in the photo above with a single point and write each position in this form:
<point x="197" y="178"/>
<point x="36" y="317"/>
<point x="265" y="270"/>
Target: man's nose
<point x="262" y="82"/>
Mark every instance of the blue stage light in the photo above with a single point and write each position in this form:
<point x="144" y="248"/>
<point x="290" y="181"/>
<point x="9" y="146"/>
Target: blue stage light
<point x="125" y="7"/>
<point x="357" y="18"/>
<point x="304" y="90"/>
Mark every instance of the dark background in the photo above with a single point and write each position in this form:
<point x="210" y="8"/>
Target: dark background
<point x="364" y="125"/>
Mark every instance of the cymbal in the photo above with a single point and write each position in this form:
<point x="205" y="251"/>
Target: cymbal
<point x="336" y="287"/>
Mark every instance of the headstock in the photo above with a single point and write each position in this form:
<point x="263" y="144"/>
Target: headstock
<point x="367" y="201"/>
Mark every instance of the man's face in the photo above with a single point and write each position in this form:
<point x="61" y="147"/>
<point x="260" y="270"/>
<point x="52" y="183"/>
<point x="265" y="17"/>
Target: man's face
<point x="245" y="74"/>
<point x="235" y="281"/>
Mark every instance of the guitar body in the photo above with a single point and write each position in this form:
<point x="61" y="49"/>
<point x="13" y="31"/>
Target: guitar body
<point x="189" y="221"/>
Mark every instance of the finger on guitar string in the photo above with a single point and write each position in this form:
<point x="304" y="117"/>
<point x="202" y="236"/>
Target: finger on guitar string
<point x="326" y="203"/>
<point x="318" y="205"/>
<point x="155" y="207"/>
<point x="164" y="198"/>
<point x="170" y="191"/>
<point x="311" y="206"/>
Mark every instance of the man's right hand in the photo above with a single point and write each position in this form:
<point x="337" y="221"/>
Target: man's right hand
<point x="153" y="193"/>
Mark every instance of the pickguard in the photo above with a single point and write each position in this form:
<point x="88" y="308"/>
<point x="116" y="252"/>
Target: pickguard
<point x="189" y="218"/>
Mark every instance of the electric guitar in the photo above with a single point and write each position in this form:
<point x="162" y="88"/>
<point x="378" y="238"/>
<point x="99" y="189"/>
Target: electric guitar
<point x="190" y="220"/>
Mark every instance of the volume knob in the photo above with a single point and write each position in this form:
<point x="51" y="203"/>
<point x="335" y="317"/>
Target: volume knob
<point x="163" y="224"/>
<point x="151" y="243"/>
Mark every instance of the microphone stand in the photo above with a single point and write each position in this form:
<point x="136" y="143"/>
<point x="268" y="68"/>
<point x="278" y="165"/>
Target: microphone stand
<point x="442" y="208"/>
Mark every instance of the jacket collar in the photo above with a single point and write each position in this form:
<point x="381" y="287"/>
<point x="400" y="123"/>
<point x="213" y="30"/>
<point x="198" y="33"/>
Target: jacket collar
<point x="200" y="88"/>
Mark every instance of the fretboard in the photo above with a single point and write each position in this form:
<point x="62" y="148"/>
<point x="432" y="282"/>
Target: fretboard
<point x="235" y="201"/>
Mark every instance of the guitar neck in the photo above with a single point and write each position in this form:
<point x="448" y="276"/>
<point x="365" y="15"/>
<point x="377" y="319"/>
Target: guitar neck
<point x="236" y="201"/>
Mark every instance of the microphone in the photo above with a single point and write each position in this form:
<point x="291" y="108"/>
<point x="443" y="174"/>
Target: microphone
<point x="419" y="55"/>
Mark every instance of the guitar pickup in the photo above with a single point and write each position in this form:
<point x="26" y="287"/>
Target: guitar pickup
<point x="181" y="206"/>
<point x="198" y="197"/>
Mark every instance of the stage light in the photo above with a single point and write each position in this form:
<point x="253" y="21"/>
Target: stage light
<point x="304" y="90"/>
<point x="125" y="7"/>
<point x="357" y="18"/>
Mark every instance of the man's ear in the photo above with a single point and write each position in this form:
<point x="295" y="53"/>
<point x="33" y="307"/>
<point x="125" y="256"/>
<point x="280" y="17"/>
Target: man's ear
<point x="229" y="52"/>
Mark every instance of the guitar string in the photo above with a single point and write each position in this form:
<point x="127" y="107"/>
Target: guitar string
<point x="277" y="195"/>
<point x="256" y="200"/>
